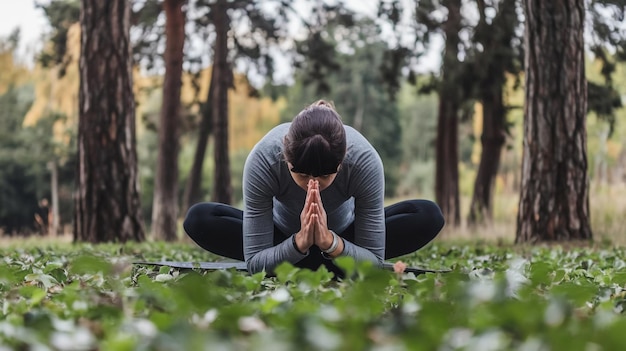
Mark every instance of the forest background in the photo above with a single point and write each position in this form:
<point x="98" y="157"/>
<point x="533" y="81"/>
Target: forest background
<point x="39" y="111"/>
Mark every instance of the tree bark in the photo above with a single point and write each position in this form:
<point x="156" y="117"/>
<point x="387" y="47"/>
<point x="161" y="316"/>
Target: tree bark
<point x="107" y="201"/>
<point x="194" y="182"/>
<point x="492" y="140"/>
<point x="554" y="201"/>
<point x="53" y="218"/>
<point x="165" y="202"/>
<point x="450" y="96"/>
<point x="496" y="38"/>
<point x="222" y="187"/>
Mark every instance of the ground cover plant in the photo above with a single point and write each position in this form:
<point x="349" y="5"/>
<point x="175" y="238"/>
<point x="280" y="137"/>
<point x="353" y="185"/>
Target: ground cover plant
<point x="91" y="297"/>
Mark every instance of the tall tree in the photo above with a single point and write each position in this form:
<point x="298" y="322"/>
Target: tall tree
<point x="192" y="193"/>
<point x="495" y="54"/>
<point x="243" y="33"/>
<point x="442" y="18"/>
<point x="165" y="203"/>
<point x="450" y="101"/>
<point x="107" y="201"/>
<point x="554" y="199"/>
<point x="223" y="78"/>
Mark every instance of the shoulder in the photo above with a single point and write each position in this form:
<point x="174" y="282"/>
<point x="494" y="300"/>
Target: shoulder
<point x="360" y="153"/>
<point x="363" y="171"/>
<point x="262" y="166"/>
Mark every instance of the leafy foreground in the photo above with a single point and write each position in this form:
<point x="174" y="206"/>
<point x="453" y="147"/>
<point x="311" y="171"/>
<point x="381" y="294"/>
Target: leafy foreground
<point x="84" y="297"/>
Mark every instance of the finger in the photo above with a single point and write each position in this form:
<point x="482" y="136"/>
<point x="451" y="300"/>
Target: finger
<point x="319" y="209"/>
<point x="318" y="220"/>
<point x="313" y="184"/>
<point x="314" y="195"/>
<point x="310" y="198"/>
<point x="313" y="208"/>
<point x="308" y="192"/>
<point x="310" y="225"/>
<point x="314" y="221"/>
<point x="318" y="199"/>
<point x="308" y="202"/>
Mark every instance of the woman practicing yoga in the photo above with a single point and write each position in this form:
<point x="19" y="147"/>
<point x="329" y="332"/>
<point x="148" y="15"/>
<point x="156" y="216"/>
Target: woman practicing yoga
<point x="313" y="190"/>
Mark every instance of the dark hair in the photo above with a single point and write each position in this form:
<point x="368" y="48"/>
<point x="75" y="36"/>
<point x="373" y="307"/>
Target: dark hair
<point x="316" y="141"/>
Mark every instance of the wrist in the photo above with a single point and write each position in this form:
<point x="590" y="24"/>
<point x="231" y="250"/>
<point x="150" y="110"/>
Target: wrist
<point x="338" y="251"/>
<point x="334" y="244"/>
<point x="300" y="244"/>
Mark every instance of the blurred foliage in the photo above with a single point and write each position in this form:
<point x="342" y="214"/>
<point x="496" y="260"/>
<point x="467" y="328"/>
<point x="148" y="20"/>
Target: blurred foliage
<point x="12" y="73"/>
<point x="329" y="26"/>
<point x="607" y="43"/>
<point x="62" y="15"/>
<point x="18" y="194"/>
<point x="496" y="298"/>
<point x="25" y="153"/>
<point x="249" y="119"/>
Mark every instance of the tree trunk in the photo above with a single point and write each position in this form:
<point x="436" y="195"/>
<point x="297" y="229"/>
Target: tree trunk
<point x="53" y="218"/>
<point x="492" y="141"/>
<point x="222" y="188"/>
<point x="450" y="96"/>
<point x="496" y="38"/>
<point x="106" y="201"/>
<point x="165" y="203"/>
<point x="554" y="201"/>
<point x="194" y="183"/>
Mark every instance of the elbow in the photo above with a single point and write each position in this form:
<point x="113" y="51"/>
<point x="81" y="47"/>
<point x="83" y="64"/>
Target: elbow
<point x="379" y="256"/>
<point x="254" y="266"/>
<point x="380" y="261"/>
<point x="251" y="264"/>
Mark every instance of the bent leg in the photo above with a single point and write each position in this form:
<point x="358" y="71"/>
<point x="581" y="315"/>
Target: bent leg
<point x="217" y="228"/>
<point x="410" y="225"/>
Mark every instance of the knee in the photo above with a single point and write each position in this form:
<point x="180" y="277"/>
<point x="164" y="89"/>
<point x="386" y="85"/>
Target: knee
<point x="194" y="217"/>
<point x="437" y="217"/>
<point x="431" y="211"/>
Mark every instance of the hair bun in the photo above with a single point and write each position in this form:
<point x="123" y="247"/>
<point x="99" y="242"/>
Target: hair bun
<point x="325" y="103"/>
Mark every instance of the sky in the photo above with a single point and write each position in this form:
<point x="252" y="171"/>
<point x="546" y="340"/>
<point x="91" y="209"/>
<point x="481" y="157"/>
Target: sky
<point x="31" y="21"/>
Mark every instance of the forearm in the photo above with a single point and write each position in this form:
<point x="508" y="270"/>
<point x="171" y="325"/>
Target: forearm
<point x="362" y="254"/>
<point x="269" y="258"/>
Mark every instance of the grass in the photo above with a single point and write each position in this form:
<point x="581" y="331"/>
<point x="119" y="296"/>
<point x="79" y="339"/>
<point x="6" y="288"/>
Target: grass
<point x="607" y="215"/>
<point x="56" y="295"/>
<point x="61" y="296"/>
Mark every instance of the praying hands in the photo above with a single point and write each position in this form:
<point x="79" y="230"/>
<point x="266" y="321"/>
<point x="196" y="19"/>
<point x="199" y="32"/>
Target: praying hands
<point x="314" y="227"/>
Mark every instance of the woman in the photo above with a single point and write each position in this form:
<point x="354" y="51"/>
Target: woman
<point x="313" y="190"/>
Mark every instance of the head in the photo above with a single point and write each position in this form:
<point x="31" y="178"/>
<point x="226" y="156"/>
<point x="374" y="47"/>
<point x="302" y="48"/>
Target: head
<point x="315" y="145"/>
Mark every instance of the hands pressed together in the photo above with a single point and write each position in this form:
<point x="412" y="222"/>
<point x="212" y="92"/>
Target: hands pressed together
<point x="313" y="224"/>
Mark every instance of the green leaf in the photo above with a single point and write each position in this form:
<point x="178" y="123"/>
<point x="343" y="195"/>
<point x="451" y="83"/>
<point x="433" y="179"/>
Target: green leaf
<point x="46" y="280"/>
<point x="285" y="272"/>
<point x="578" y="292"/>
<point x="34" y="294"/>
<point x="541" y="273"/>
<point x="88" y="264"/>
<point x="347" y="264"/>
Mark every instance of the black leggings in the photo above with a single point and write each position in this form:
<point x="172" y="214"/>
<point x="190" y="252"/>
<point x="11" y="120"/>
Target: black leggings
<point x="409" y="226"/>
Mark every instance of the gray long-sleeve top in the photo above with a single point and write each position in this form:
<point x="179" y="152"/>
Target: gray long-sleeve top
<point x="271" y="197"/>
